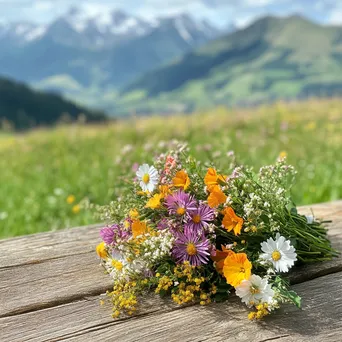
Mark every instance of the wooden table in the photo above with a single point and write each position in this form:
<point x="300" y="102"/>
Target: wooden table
<point x="51" y="284"/>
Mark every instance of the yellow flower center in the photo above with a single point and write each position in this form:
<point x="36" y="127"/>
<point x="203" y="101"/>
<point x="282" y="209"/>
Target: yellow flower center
<point x="196" y="218"/>
<point x="180" y="211"/>
<point x="276" y="255"/>
<point x="191" y="249"/>
<point x="146" y="178"/>
<point x="254" y="289"/>
<point x="242" y="270"/>
<point x="117" y="264"/>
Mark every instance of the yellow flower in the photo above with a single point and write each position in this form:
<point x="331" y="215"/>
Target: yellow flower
<point x="216" y="197"/>
<point x="282" y="155"/>
<point x="139" y="228"/>
<point x="76" y="209"/>
<point x="117" y="264"/>
<point x="231" y="221"/>
<point x="71" y="199"/>
<point x="212" y="178"/>
<point x="101" y="250"/>
<point x="236" y="268"/>
<point x="142" y="193"/>
<point x="154" y="202"/>
<point x="311" y="126"/>
<point x="181" y="180"/>
<point x="133" y="213"/>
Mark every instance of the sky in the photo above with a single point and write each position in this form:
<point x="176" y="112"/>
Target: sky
<point x="219" y="12"/>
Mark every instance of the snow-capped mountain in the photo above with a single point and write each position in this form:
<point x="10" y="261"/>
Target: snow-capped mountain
<point x="98" y="29"/>
<point x="79" y="28"/>
<point x="21" y="32"/>
<point x="190" y="30"/>
<point x="104" y="50"/>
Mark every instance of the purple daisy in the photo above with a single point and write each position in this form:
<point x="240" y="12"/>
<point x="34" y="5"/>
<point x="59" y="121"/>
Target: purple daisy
<point x="170" y="224"/>
<point x="180" y="203"/>
<point x="189" y="246"/>
<point x="199" y="219"/>
<point x="113" y="233"/>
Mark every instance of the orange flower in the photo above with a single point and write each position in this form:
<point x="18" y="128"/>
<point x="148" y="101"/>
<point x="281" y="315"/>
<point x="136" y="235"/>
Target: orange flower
<point x="164" y="190"/>
<point x="236" y="268"/>
<point x="139" y="228"/>
<point x="216" y="197"/>
<point x="212" y="178"/>
<point x="181" y="180"/>
<point x="231" y="221"/>
<point x="220" y="257"/>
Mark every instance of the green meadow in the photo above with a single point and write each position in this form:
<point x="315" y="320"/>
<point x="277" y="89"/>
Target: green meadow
<point x="48" y="174"/>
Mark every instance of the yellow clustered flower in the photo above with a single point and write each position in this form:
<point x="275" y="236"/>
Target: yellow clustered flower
<point x="124" y="299"/>
<point x="189" y="288"/>
<point x="164" y="283"/>
<point x="184" y="270"/>
<point x="262" y="311"/>
<point x="184" y="293"/>
<point x="254" y="229"/>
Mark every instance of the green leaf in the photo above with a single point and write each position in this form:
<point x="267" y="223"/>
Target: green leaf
<point x="294" y="211"/>
<point x="294" y="298"/>
<point x="221" y="297"/>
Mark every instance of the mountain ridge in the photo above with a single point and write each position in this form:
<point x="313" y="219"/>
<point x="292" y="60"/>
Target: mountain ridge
<point x="24" y="108"/>
<point x="103" y="53"/>
<point x="272" y="58"/>
<point x="95" y="31"/>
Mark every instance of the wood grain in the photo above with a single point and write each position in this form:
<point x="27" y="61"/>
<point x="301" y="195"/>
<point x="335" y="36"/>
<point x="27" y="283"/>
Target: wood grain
<point x="85" y="320"/>
<point x="33" y="287"/>
<point x="50" y="285"/>
<point x="36" y="248"/>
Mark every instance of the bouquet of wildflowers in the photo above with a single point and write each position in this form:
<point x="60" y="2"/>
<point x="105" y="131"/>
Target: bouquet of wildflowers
<point x="197" y="233"/>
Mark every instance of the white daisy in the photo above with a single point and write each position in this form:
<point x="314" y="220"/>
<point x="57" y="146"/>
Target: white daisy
<point x="279" y="252"/>
<point x="254" y="291"/>
<point x="148" y="176"/>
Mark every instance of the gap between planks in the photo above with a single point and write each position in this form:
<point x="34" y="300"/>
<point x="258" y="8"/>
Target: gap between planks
<point x="319" y="320"/>
<point x="55" y="275"/>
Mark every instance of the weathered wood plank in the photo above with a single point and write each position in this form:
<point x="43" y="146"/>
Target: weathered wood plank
<point x="86" y="320"/>
<point x="44" y="246"/>
<point x="36" y="248"/>
<point x="61" y="267"/>
<point x="35" y="286"/>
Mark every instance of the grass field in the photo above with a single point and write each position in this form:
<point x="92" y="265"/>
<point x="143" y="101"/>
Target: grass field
<point x="47" y="173"/>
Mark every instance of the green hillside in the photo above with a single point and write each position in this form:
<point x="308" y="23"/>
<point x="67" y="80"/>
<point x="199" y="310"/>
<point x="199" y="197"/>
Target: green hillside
<point x="23" y="107"/>
<point x="272" y="58"/>
<point x="47" y="175"/>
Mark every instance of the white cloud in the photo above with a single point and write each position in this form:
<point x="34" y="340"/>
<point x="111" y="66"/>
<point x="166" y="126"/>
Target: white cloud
<point x="242" y="22"/>
<point x="42" y="6"/>
<point x="218" y="11"/>
<point x="336" y="17"/>
<point x="258" y="3"/>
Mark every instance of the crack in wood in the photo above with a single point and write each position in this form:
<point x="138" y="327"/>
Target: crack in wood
<point x="60" y="283"/>
<point x="98" y="327"/>
<point x="37" y="261"/>
<point x="54" y="303"/>
<point x="221" y="322"/>
<point x="274" y="338"/>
